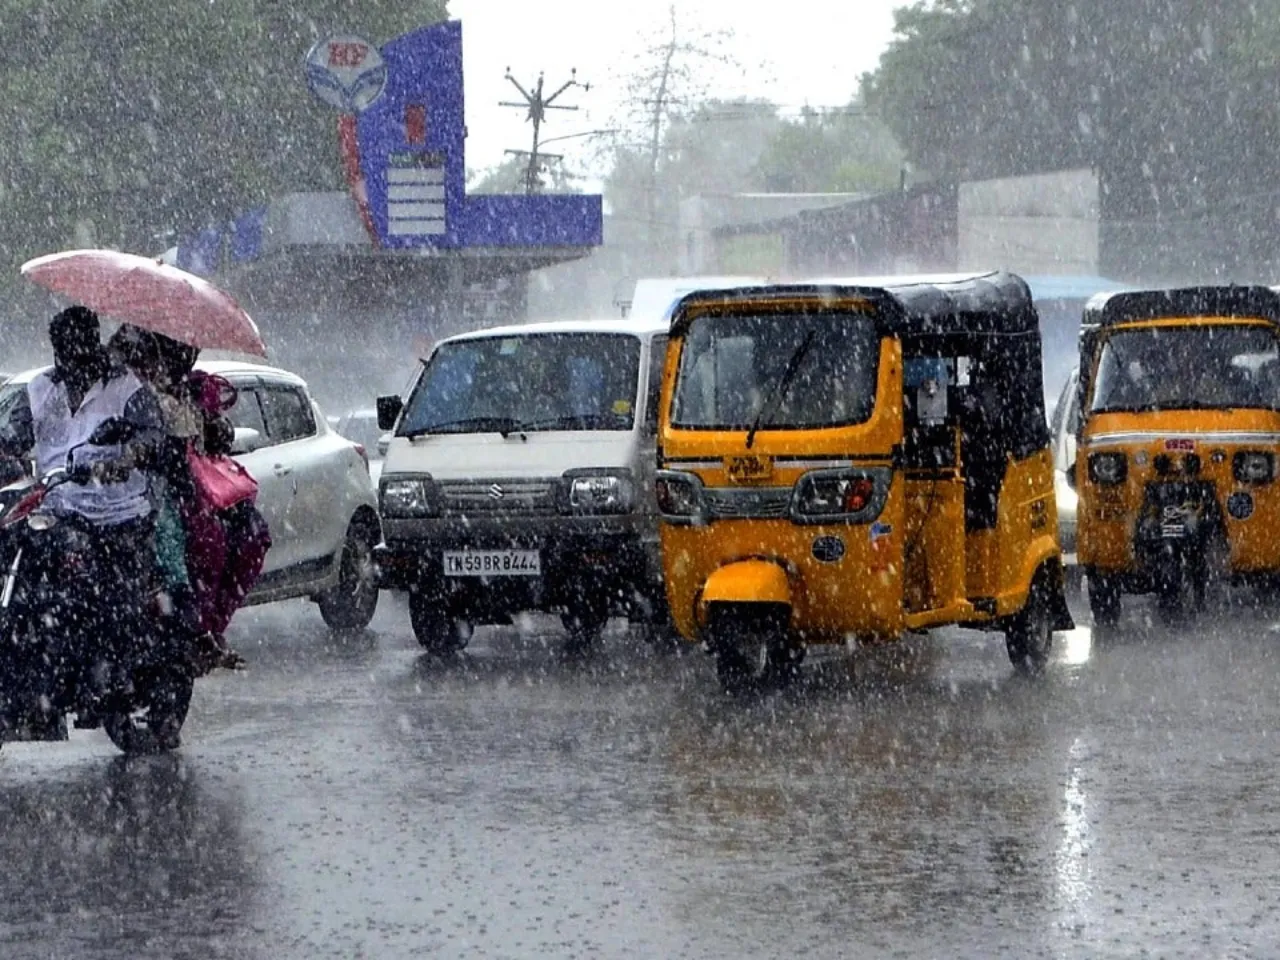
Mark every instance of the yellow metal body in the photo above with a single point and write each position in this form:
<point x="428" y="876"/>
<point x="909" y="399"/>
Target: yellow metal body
<point x="1108" y="514"/>
<point x="914" y="567"/>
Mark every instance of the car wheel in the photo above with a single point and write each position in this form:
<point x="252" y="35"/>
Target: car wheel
<point x="351" y="604"/>
<point x="437" y="631"/>
<point x="585" y="625"/>
<point x="1030" y="635"/>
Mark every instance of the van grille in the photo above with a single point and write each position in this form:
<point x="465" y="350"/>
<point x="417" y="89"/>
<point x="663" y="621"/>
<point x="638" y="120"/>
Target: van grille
<point x="498" y="496"/>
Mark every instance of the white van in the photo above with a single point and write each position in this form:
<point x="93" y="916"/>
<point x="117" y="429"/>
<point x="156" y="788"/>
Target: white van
<point x="519" y="477"/>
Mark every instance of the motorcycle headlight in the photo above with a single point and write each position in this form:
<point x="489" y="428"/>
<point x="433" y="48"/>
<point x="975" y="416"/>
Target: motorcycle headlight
<point x="600" y="493"/>
<point x="855" y="496"/>
<point x="408" y="497"/>
<point x="1108" y="469"/>
<point x="1254" y="466"/>
<point x="679" y="496"/>
<point x="41" y="521"/>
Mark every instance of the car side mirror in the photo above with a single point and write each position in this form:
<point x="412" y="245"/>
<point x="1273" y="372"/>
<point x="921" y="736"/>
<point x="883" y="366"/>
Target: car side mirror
<point x="389" y="411"/>
<point x="112" y="432"/>
<point x="246" y="440"/>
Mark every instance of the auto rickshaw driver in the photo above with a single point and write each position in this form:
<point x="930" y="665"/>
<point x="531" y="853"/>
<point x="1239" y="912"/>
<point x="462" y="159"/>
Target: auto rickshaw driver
<point x="856" y="461"/>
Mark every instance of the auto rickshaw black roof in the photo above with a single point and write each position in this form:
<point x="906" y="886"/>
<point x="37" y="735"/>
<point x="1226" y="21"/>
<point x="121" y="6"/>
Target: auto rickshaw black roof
<point x="993" y="304"/>
<point x="1253" y="302"/>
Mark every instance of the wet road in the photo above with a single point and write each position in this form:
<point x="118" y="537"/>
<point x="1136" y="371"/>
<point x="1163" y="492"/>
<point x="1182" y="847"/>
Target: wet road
<point x="357" y="800"/>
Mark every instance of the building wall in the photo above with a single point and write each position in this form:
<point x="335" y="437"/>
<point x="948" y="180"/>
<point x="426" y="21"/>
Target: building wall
<point x="1042" y="223"/>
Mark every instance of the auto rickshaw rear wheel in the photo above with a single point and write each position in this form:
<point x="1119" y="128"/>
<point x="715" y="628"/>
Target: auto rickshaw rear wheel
<point x="1029" y="636"/>
<point x="1104" y="598"/>
<point x="752" y="646"/>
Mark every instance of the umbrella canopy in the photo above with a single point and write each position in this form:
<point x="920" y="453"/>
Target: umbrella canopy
<point x="151" y="295"/>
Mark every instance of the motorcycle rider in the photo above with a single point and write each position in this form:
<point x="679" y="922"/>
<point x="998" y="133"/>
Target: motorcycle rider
<point x="63" y="407"/>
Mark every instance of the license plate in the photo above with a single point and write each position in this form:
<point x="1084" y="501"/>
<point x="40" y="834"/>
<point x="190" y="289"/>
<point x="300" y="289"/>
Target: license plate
<point x="748" y="469"/>
<point x="492" y="563"/>
<point x="1173" y="523"/>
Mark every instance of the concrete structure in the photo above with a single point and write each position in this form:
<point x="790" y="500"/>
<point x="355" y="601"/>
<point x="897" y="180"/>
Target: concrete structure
<point x="349" y="287"/>
<point x="709" y="244"/>
<point x="1045" y="223"/>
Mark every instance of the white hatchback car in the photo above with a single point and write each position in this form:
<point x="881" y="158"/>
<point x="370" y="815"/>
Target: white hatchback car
<point x="1063" y="427"/>
<point x="314" y="490"/>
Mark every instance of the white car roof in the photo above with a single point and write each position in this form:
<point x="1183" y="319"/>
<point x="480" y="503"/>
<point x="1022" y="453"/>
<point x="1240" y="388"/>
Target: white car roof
<point x="642" y="327"/>
<point x="224" y="368"/>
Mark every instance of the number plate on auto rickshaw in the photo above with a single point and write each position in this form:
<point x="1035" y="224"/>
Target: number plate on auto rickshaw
<point x="748" y="469"/>
<point x="1173" y="522"/>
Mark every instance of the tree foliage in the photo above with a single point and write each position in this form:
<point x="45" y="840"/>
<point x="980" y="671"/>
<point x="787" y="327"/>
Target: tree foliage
<point x="128" y="121"/>
<point x="1174" y="101"/>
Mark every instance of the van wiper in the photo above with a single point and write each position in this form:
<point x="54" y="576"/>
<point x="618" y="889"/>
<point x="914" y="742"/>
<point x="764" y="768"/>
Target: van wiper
<point x="780" y="387"/>
<point x="503" y="425"/>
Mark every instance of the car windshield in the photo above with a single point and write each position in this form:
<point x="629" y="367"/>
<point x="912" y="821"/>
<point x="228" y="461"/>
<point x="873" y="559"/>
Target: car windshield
<point x="526" y="383"/>
<point x="776" y="371"/>
<point x="1219" y="366"/>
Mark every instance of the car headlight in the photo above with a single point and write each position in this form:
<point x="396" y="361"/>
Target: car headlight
<point x="413" y="496"/>
<point x="1254" y="466"/>
<point x="1108" y="469"/>
<point x="679" y="496"/>
<point x="855" y="496"/>
<point x="600" y="493"/>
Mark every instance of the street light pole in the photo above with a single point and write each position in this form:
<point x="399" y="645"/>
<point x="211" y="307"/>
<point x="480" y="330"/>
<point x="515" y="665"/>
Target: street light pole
<point x="537" y="104"/>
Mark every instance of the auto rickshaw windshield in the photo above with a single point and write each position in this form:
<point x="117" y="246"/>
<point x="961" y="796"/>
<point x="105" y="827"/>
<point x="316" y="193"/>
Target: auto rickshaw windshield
<point x="1188" y="367"/>
<point x="776" y="371"/>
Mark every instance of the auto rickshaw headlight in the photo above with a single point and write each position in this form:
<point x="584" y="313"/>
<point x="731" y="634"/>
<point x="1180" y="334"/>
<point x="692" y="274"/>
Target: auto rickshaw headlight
<point x="679" y="496"/>
<point x="1254" y="466"/>
<point x="1108" y="469"/>
<point x="840" y="495"/>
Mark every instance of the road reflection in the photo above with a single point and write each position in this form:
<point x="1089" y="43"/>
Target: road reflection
<point x="141" y="854"/>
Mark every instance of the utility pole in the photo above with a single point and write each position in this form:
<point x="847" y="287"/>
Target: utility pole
<point x="537" y="104"/>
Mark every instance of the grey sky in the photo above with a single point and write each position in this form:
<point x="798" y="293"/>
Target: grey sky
<point x="812" y="55"/>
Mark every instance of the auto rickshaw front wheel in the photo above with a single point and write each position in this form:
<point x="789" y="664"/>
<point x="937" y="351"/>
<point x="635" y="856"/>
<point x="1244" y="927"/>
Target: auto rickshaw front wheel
<point x="753" y="648"/>
<point x="1029" y="636"/>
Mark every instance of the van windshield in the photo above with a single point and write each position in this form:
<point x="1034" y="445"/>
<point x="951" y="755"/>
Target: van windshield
<point x="1188" y="368"/>
<point x="777" y="371"/>
<point x="526" y="383"/>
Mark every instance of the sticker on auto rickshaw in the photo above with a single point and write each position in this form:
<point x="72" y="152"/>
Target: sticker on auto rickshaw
<point x="1180" y="444"/>
<point x="748" y="469"/>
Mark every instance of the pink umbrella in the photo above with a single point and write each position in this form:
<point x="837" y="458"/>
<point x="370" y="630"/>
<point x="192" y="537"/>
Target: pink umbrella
<point x="149" y="294"/>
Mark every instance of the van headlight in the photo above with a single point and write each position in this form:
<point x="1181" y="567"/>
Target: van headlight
<point x="1254" y="466"/>
<point x="599" y="493"/>
<point x="1108" y="469"/>
<point x="679" y="496"/>
<point x="408" y="497"/>
<point x="851" y="496"/>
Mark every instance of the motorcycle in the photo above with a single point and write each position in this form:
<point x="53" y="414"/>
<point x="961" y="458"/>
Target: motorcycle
<point x="68" y="646"/>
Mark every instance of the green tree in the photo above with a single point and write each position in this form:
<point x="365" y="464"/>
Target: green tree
<point x="844" y="150"/>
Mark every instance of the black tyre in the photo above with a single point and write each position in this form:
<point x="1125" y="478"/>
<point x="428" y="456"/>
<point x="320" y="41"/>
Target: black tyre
<point x="1029" y="637"/>
<point x="437" y="630"/>
<point x="352" y="603"/>
<point x="753" y="651"/>
<point x="1104" y="599"/>
<point x="584" y="625"/>
<point x="157" y="727"/>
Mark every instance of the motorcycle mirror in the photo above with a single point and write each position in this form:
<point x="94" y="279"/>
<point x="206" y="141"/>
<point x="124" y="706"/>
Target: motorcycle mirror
<point x="111" y="432"/>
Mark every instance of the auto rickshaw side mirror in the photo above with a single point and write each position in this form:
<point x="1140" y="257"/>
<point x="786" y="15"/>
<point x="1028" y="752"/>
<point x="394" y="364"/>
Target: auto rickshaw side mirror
<point x="1071" y="476"/>
<point x="389" y="411"/>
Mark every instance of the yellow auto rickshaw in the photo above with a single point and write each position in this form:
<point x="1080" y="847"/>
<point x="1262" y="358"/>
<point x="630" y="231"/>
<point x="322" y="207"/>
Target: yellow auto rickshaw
<point x="1179" y="436"/>
<point x="848" y="462"/>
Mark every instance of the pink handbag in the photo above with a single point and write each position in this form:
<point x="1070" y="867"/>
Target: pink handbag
<point x="221" y="482"/>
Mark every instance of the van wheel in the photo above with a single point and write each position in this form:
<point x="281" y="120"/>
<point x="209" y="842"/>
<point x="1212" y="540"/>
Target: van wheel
<point x="351" y="604"/>
<point x="585" y="625"/>
<point x="753" y="652"/>
<point x="1029" y="637"/>
<point x="437" y="631"/>
<point x="1104" y="599"/>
